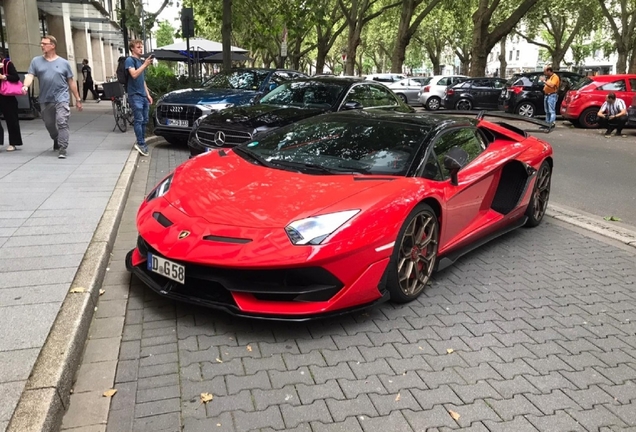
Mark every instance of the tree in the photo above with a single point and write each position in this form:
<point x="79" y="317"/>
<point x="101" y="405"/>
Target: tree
<point x="165" y="33"/>
<point x="621" y="16"/>
<point x="559" y="27"/>
<point x="407" y="27"/>
<point x="329" y="26"/>
<point x="133" y="14"/>
<point x="226" y="35"/>
<point x="487" y="32"/>
<point x="358" y="13"/>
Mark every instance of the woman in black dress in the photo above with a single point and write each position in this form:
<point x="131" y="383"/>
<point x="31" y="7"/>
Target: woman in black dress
<point x="9" y="105"/>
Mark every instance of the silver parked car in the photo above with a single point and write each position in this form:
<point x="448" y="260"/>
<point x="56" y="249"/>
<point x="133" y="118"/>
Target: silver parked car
<point x="432" y="94"/>
<point x="408" y="89"/>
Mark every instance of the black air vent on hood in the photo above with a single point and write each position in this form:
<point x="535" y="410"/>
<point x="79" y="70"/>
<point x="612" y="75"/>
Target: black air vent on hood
<point x="164" y="221"/>
<point x="226" y="239"/>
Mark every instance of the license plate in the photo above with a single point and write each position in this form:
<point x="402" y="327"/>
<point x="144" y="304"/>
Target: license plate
<point x="166" y="268"/>
<point x="173" y="122"/>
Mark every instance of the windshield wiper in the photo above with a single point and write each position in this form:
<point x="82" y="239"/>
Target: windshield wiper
<point x="316" y="167"/>
<point x="252" y="155"/>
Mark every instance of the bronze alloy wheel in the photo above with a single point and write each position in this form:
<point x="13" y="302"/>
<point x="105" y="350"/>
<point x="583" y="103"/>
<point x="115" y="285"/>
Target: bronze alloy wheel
<point x="417" y="253"/>
<point x="540" y="195"/>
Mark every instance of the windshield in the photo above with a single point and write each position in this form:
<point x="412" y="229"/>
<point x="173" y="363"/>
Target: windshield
<point x="238" y="79"/>
<point x="344" y="145"/>
<point x="306" y="94"/>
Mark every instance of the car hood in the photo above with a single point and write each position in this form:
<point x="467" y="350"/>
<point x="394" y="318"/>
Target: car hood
<point x="260" y="115"/>
<point x="229" y="190"/>
<point x="201" y="96"/>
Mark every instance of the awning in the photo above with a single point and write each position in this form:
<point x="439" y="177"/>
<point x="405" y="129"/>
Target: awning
<point x="202" y="45"/>
<point x="218" y="57"/>
<point x="86" y="14"/>
<point x="167" y="55"/>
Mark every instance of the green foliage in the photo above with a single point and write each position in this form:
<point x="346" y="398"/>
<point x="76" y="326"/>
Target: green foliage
<point x="161" y="80"/>
<point x="165" y="34"/>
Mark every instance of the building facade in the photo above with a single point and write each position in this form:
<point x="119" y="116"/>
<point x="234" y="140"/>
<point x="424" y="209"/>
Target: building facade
<point x="84" y="29"/>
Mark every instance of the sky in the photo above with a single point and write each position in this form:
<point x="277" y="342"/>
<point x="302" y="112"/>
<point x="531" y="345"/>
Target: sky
<point x="170" y="13"/>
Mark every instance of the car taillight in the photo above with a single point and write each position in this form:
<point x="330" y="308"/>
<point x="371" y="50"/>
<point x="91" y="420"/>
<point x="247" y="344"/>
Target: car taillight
<point x="426" y="89"/>
<point x="516" y="89"/>
<point x="450" y="92"/>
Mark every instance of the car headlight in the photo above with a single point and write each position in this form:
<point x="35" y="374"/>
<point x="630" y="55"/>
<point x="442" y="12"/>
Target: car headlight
<point x="161" y="189"/>
<point x="315" y="229"/>
<point x="217" y="106"/>
<point x="197" y="122"/>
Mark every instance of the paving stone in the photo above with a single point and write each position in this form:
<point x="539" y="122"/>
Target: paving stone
<point x="232" y="367"/>
<point x="274" y="362"/>
<point x="342" y="355"/>
<point x="627" y="413"/>
<point x="349" y="425"/>
<point x="360" y="406"/>
<point x="595" y="418"/>
<point x="516" y="367"/>
<point x="353" y="388"/>
<point x="158" y="359"/>
<point x="329" y="390"/>
<point x="484" y="371"/>
<point x="260" y="380"/>
<point x="222" y="423"/>
<point x="344" y="342"/>
<point x="94" y="376"/>
<point x="394" y="383"/>
<point x="271" y="417"/>
<point x="294" y="415"/>
<point x="385" y="404"/>
<point x="267" y="349"/>
<point x="86" y="409"/>
<point x="233" y="403"/>
<point x="508" y="409"/>
<point x="624" y="393"/>
<point x="307" y="345"/>
<point x="585" y="378"/>
<point x="281" y="379"/>
<point x="476" y="411"/>
<point x="392" y="422"/>
<point x="423" y="420"/>
<point x="323" y="374"/>
<point x="154" y="408"/>
<point x="191" y="390"/>
<point x="549" y="403"/>
<point x="287" y="395"/>
<point x="435" y="379"/>
<point x="517" y="385"/>
<point x="156" y="394"/>
<point x="618" y="374"/>
<point x="163" y="422"/>
<point x="519" y="424"/>
<point x="470" y="392"/>
<point x="441" y="395"/>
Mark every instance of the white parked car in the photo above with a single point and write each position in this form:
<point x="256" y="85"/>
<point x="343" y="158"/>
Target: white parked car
<point x="409" y="89"/>
<point x="385" y="78"/>
<point x="431" y="94"/>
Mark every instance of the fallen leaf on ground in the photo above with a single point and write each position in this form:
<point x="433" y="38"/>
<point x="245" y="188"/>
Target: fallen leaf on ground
<point x="397" y="398"/>
<point x="454" y="415"/>
<point x="218" y="360"/>
<point x="206" y="397"/>
<point x="450" y="350"/>
<point x="101" y="292"/>
<point x="249" y="348"/>
<point x="78" y="290"/>
<point x="110" y="393"/>
<point x="612" y="218"/>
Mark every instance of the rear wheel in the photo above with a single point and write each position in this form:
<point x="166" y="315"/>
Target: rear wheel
<point x="414" y="255"/>
<point x="540" y="196"/>
<point x="525" y="109"/>
<point x="464" y="105"/>
<point x="433" y="103"/>
<point x="402" y="98"/>
<point x="588" y="118"/>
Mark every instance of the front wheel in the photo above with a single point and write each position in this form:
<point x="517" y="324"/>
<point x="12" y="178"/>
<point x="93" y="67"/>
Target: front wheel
<point x="402" y="98"/>
<point x="540" y="196"/>
<point x="414" y="255"/>
<point x="464" y="105"/>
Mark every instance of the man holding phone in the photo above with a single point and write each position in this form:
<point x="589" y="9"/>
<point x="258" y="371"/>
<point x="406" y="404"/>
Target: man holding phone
<point x="138" y="94"/>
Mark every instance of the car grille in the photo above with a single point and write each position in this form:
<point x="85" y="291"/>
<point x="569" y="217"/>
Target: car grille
<point x="291" y="284"/>
<point x="214" y="136"/>
<point x="178" y="112"/>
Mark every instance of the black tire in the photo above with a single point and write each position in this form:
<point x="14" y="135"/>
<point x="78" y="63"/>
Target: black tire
<point x="402" y="98"/>
<point x="526" y="109"/>
<point x="588" y="118"/>
<point x="464" y="105"/>
<point x="403" y="283"/>
<point x="433" y="103"/>
<point x="540" y="195"/>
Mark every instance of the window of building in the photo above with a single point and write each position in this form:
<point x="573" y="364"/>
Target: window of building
<point x="517" y="57"/>
<point x="510" y="55"/>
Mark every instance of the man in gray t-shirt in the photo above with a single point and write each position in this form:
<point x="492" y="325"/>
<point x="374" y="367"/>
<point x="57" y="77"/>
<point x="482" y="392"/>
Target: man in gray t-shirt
<point x="56" y="79"/>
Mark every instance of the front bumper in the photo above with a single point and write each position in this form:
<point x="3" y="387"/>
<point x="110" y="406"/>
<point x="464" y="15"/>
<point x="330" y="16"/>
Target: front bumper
<point x="292" y="294"/>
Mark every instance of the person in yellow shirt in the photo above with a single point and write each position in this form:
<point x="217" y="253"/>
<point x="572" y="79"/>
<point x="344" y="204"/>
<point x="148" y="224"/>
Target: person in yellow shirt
<point x="552" y="82"/>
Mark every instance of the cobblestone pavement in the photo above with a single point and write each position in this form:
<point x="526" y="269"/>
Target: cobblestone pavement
<point x="534" y="331"/>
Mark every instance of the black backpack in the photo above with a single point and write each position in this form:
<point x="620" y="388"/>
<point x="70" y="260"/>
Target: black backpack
<point x="122" y="73"/>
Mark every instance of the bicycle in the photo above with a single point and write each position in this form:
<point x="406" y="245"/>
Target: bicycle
<point x="121" y="108"/>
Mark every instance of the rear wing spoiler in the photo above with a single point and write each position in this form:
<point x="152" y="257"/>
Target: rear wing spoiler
<point x="482" y="114"/>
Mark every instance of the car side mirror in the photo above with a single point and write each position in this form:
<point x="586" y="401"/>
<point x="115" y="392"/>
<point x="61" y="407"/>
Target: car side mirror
<point x="352" y="105"/>
<point x="454" y="160"/>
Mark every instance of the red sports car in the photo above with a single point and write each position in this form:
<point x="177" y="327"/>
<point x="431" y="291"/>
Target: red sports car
<point x="337" y="212"/>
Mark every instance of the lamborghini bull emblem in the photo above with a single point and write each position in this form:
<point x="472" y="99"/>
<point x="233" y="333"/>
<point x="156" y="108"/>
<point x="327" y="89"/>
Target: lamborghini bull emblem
<point x="183" y="234"/>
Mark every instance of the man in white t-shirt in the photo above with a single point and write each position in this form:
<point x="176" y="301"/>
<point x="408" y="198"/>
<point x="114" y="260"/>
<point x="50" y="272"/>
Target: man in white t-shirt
<point x="612" y="115"/>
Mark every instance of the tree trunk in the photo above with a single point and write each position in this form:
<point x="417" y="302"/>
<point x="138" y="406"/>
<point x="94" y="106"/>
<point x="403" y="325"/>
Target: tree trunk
<point x="632" y="61"/>
<point x="226" y="35"/>
<point x="321" y="56"/>
<point x="503" y="65"/>
<point x="403" y="38"/>
<point x="353" y="41"/>
<point x="621" y="62"/>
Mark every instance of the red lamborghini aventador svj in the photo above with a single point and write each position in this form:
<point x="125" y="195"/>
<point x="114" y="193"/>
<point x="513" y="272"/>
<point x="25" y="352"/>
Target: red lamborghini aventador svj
<point x="337" y="212"/>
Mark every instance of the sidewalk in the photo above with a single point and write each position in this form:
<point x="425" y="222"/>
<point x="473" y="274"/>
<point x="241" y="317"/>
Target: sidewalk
<point x="49" y="211"/>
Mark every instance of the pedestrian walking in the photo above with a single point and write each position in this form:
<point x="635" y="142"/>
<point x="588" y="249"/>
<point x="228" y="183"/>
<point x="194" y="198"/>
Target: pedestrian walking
<point x="88" y="85"/>
<point x="552" y="82"/>
<point x="56" y="79"/>
<point x="9" y="105"/>
<point x="612" y="115"/>
<point x="138" y="94"/>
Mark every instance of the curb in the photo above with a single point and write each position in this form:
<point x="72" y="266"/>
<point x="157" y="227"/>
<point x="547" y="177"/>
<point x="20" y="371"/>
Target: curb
<point x="592" y="223"/>
<point x="46" y="395"/>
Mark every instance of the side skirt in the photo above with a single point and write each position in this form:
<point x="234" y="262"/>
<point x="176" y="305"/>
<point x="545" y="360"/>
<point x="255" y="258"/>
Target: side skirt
<point x="453" y="256"/>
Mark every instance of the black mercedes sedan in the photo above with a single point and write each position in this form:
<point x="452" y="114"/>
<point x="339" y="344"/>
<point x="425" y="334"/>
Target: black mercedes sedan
<point x="286" y="104"/>
<point x="474" y="93"/>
